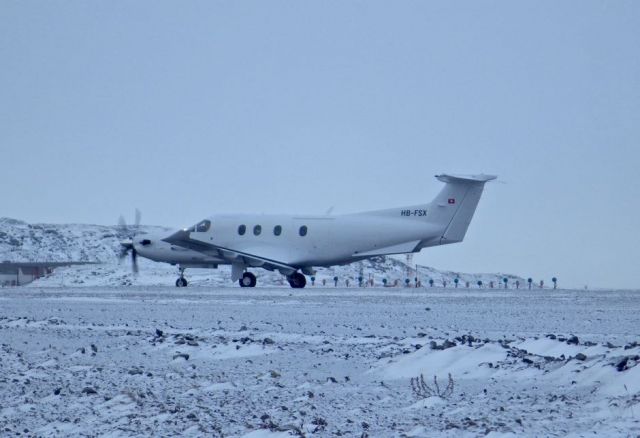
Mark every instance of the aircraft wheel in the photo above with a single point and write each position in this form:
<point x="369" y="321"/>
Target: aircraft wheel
<point x="248" y="280"/>
<point x="181" y="282"/>
<point x="297" y="280"/>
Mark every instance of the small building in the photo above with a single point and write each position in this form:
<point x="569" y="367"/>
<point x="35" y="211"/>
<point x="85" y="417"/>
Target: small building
<point x="21" y="273"/>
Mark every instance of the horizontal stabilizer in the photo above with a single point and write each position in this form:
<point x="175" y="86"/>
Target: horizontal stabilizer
<point x="465" y="178"/>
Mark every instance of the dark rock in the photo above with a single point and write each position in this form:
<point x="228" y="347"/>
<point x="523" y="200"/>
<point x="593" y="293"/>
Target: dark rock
<point x="159" y="333"/>
<point x="332" y="380"/>
<point x="573" y="340"/>
<point x="319" y="421"/>
<point x="57" y="391"/>
<point x="581" y="356"/>
<point x="448" y="344"/>
<point x="94" y="348"/>
<point x="468" y="422"/>
<point x="268" y="341"/>
<point x="527" y="360"/>
<point x="551" y="336"/>
<point x="622" y="365"/>
<point x="421" y="335"/>
<point x="184" y="356"/>
<point x="89" y="390"/>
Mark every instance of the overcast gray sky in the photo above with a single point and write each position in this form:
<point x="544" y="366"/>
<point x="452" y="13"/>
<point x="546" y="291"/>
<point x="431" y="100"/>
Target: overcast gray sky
<point x="185" y="109"/>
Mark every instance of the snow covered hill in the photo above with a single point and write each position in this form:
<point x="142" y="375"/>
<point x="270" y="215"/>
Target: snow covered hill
<point x="20" y="241"/>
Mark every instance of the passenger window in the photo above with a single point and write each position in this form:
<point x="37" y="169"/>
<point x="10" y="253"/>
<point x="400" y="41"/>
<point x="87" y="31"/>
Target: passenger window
<point x="242" y="229"/>
<point x="257" y="230"/>
<point x="203" y="226"/>
<point x="277" y="230"/>
<point x="303" y="230"/>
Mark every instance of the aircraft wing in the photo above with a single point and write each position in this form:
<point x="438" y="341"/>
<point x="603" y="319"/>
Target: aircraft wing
<point x="234" y="257"/>
<point x="402" y="248"/>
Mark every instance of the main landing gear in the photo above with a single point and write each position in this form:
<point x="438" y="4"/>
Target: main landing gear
<point x="248" y="280"/>
<point x="181" y="281"/>
<point x="297" y="280"/>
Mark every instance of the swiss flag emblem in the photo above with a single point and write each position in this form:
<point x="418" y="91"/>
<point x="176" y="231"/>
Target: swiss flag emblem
<point x="452" y="200"/>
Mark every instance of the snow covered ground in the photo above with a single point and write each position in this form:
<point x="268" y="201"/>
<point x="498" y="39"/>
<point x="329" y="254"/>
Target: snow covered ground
<point x="267" y="362"/>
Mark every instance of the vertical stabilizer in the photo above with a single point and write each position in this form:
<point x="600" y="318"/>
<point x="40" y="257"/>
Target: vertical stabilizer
<point x="455" y="205"/>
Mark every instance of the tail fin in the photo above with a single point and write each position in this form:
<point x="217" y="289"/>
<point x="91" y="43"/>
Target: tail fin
<point x="455" y="205"/>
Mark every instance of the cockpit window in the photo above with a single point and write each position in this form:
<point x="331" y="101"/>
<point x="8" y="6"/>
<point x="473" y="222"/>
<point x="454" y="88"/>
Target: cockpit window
<point x="203" y="226"/>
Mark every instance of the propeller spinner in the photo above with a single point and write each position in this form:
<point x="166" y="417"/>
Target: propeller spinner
<point x="127" y="245"/>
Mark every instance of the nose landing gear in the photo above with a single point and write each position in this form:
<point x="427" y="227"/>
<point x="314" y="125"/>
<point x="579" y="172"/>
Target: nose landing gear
<point x="181" y="281"/>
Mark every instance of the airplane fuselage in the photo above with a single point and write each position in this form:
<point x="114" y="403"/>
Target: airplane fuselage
<point x="292" y="243"/>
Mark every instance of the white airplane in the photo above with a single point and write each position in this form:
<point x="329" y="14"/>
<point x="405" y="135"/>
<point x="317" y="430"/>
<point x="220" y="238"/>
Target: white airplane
<point x="294" y="245"/>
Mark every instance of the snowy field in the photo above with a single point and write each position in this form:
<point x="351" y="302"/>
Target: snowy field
<point x="208" y="361"/>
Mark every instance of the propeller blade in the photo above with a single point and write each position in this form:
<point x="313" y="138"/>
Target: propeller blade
<point x="134" y="260"/>
<point x="127" y="244"/>
<point x="138" y="218"/>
